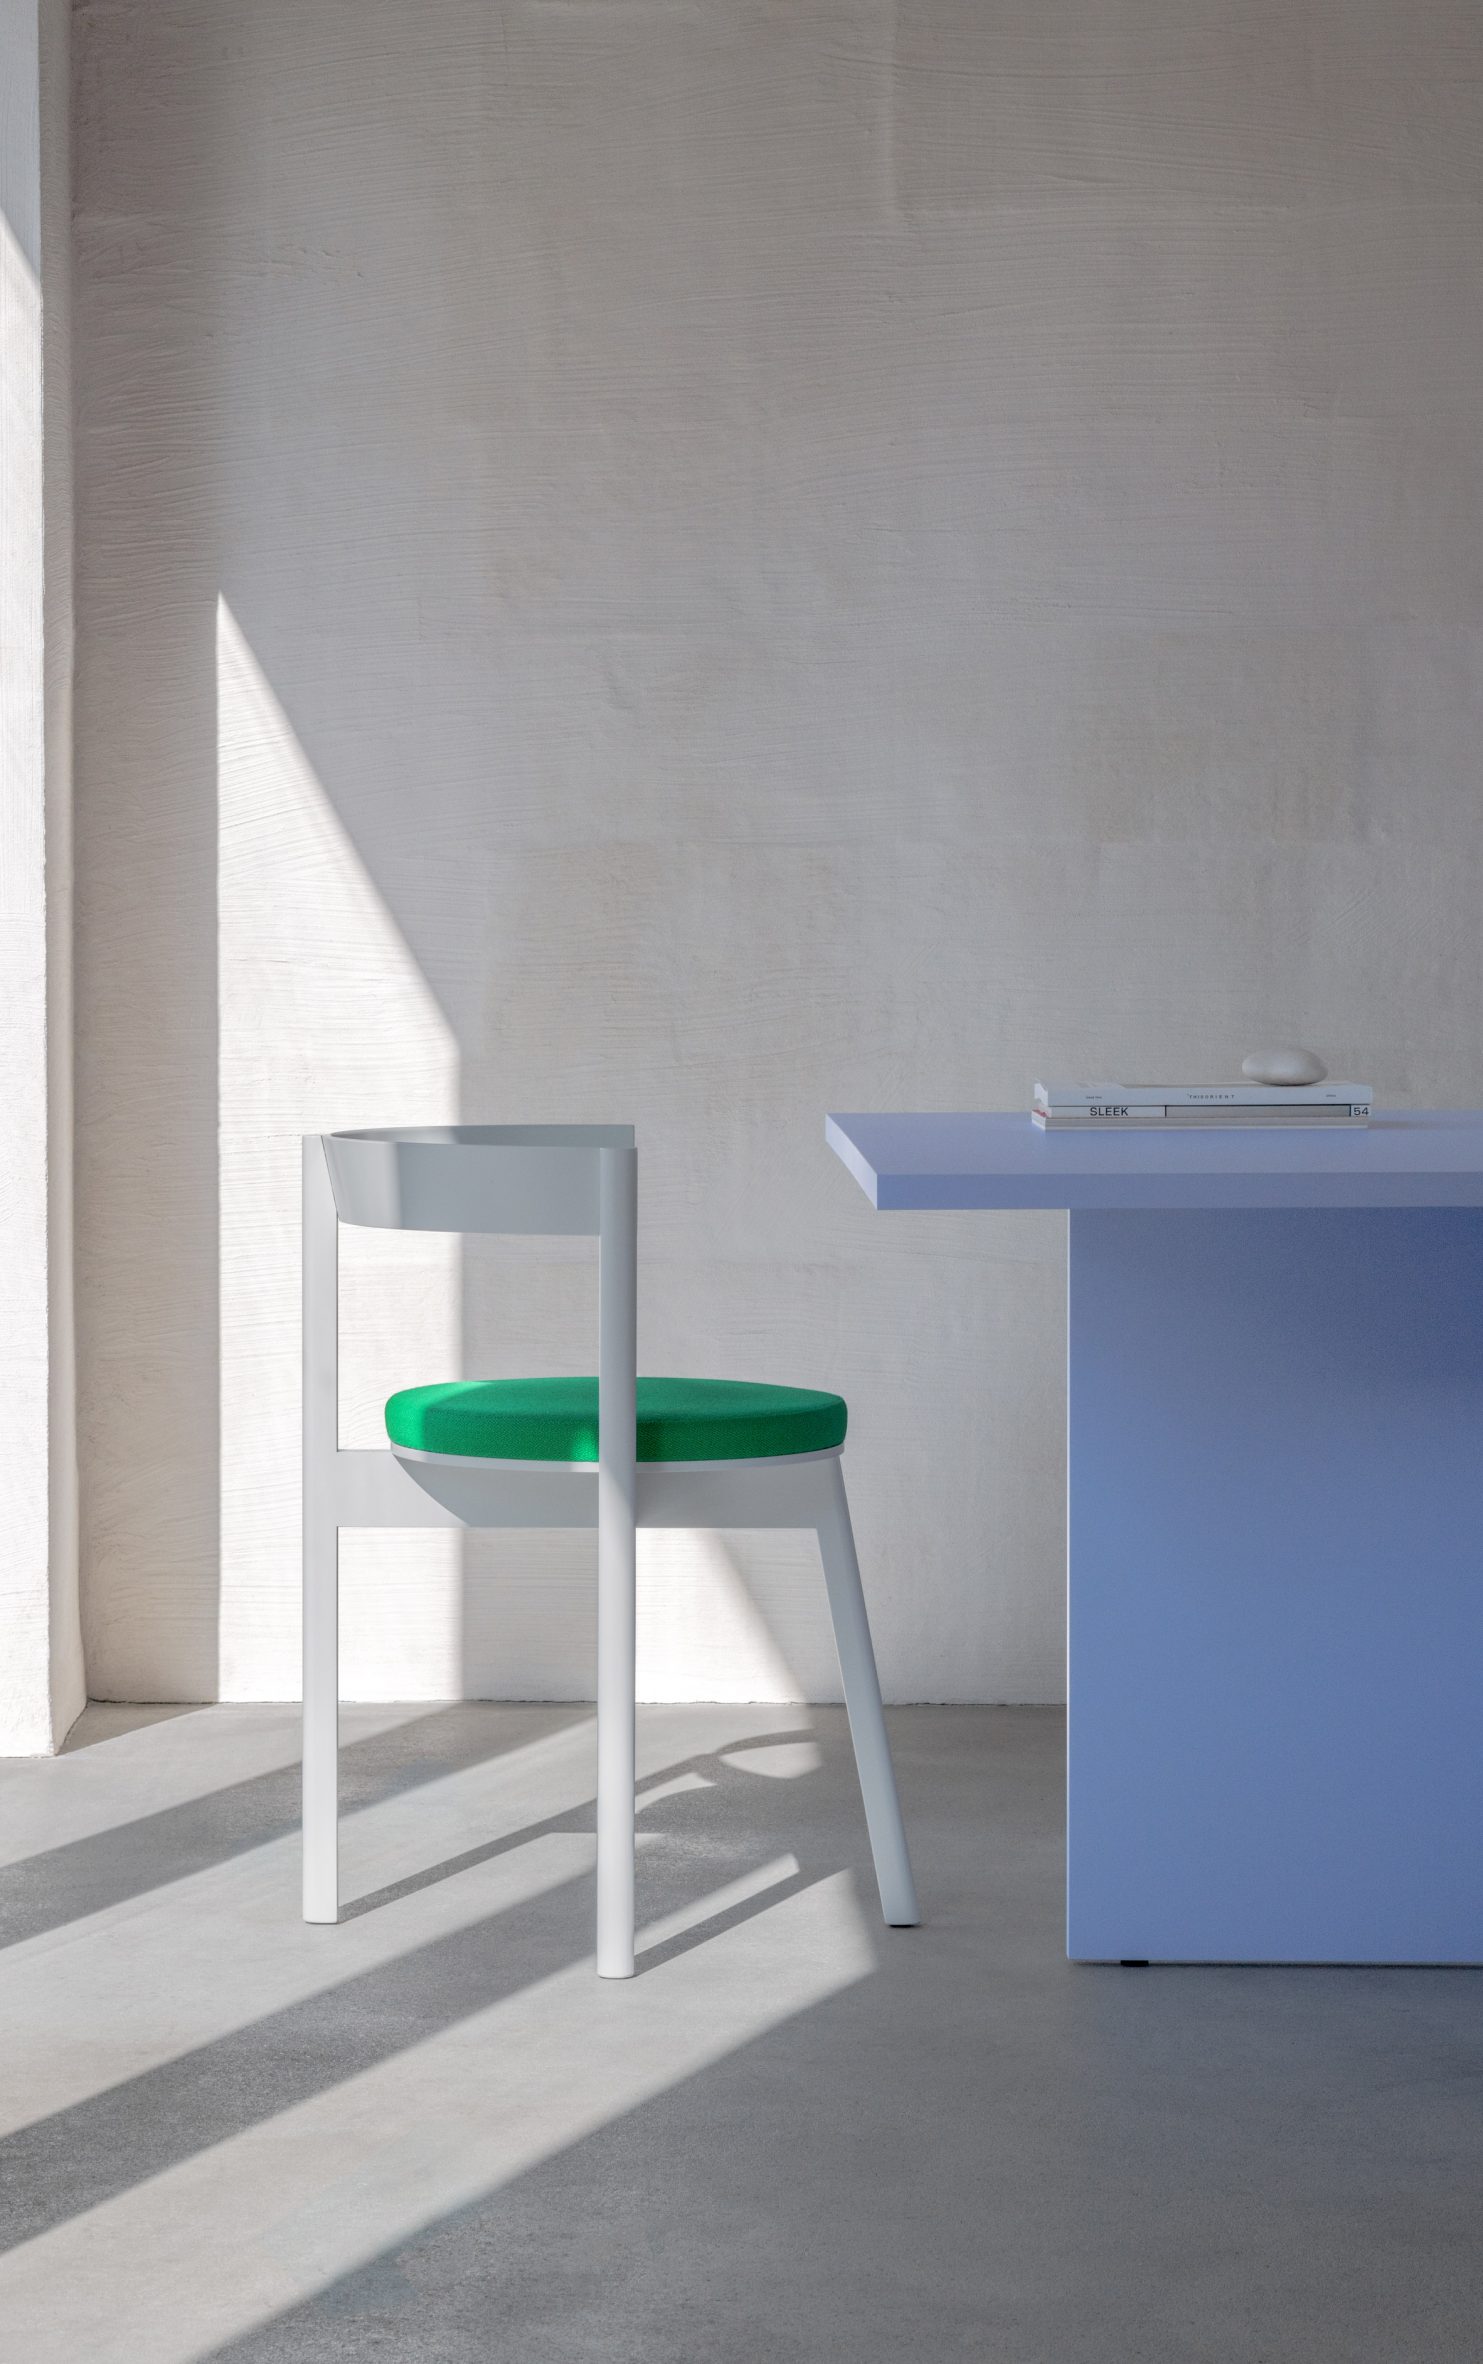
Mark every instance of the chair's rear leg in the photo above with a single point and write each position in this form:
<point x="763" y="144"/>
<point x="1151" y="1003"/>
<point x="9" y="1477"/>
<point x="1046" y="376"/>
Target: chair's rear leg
<point x="862" y="1693"/>
<point x="321" y="1719"/>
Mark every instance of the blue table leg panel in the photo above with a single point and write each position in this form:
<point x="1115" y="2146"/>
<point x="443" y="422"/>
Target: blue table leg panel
<point x="1276" y="1586"/>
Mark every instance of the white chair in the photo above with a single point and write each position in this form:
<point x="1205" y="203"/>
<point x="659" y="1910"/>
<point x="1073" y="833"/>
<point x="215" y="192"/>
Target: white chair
<point x="567" y="1455"/>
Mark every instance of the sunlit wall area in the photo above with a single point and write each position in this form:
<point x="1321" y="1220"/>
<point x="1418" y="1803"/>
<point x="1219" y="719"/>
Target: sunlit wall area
<point x="325" y="1021"/>
<point x="774" y="558"/>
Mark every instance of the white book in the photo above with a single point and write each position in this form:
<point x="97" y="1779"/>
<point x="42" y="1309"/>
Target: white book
<point x="1113" y="1116"/>
<point x="1123" y="1097"/>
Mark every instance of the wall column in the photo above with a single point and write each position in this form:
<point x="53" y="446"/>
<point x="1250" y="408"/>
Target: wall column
<point x="41" y="1674"/>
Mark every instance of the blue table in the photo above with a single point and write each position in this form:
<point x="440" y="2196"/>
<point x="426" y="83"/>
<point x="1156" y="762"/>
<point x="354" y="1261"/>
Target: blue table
<point x="1275" y="1508"/>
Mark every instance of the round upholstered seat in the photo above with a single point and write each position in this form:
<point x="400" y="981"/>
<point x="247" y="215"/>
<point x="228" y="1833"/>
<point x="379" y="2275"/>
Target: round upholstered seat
<point x="556" y="1420"/>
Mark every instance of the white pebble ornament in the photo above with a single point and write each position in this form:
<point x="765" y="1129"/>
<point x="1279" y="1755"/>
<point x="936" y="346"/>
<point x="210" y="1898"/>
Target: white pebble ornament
<point x="1291" y="1066"/>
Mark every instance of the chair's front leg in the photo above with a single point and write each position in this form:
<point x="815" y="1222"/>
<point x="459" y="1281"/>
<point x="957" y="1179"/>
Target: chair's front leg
<point x="615" y="1744"/>
<point x="862" y="1693"/>
<point x="616" y="1562"/>
<point x="321" y="1719"/>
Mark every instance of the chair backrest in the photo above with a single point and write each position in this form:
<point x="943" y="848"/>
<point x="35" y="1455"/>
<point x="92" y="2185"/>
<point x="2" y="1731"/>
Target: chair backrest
<point x="499" y="1178"/>
<point x="502" y="1178"/>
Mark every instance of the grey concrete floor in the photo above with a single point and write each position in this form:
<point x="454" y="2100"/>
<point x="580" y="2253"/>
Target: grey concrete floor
<point x="431" y="2133"/>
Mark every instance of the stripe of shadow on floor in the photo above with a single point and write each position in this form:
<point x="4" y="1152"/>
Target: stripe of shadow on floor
<point x="45" y="1891"/>
<point x="76" y="2158"/>
<point x="712" y="1769"/>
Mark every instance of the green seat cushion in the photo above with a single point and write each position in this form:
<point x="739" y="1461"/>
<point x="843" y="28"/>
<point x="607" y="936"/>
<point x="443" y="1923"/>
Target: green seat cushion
<point x="556" y="1419"/>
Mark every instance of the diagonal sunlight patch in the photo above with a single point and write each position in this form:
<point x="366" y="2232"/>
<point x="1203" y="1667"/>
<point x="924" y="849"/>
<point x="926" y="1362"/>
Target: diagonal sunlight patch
<point x="777" y="1760"/>
<point x="326" y="1020"/>
<point x="202" y="2253"/>
<point x="48" y="1803"/>
<point x="701" y="1634"/>
<point x="683" y="1785"/>
<point x="145" y="1981"/>
<point x="656" y="1935"/>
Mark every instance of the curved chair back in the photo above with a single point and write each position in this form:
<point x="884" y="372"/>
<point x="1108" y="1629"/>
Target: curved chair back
<point x="506" y="1178"/>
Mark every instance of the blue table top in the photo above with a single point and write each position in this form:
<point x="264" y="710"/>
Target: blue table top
<point x="1403" y="1158"/>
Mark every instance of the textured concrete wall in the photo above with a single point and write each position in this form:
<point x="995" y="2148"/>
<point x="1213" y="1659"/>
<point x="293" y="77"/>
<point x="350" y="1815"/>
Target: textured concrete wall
<point x="40" y="1645"/>
<point x="694" y="561"/>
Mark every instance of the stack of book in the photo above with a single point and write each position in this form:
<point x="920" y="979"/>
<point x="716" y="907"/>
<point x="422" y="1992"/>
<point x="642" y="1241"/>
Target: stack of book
<point x="1087" y="1108"/>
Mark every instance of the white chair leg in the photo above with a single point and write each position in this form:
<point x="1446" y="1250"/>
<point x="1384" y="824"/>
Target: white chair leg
<point x="862" y="1693"/>
<point x="321" y="1720"/>
<point x="615" y="1753"/>
<point x="616" y="1565"/>
<point x="321" y="1536"/>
